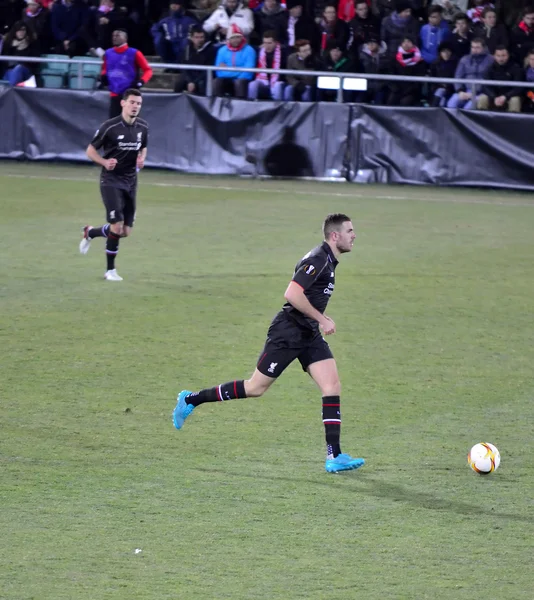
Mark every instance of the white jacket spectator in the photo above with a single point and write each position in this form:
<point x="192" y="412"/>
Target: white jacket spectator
<point x="230" y="12"/>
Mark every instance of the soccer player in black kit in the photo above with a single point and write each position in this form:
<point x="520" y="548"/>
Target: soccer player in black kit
<point x="124" y="143"/>
<point x="295" y="333"/>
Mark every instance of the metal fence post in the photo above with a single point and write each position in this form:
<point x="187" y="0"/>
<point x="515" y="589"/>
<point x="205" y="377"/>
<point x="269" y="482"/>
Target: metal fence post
<point x="80" y="76"/>
<point x="209" y="84"/>
<point x="340" y="90"/>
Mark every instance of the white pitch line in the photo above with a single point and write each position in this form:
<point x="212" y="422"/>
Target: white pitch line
<point x="280" y="191"/>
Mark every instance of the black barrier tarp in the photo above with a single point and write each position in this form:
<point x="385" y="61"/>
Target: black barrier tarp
<point x="324" y="140"/>
<point x="441" y="147"/>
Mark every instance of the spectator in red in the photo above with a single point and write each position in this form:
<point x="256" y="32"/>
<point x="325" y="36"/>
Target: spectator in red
<point x="37" y="19"/>
<point x="19" y="42"/>
<point x="461" y="36"/>
<point x="333" y="30"/>
<point x="123" y="68"/>
<point x="408" y="63"/>
<point x="67" y="19"/>
<point x="346" y="9"/>
<point x="493" y="33"/>
<point x="523" y="35"/>
<point x="400" y="25"/>
<point x="363" y="27"/>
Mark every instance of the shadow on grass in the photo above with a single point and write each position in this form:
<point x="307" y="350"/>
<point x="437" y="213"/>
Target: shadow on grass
<point x="370" y="486"/>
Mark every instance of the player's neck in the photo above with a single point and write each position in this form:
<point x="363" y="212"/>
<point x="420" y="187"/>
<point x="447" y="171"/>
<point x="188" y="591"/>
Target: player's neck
<point x="128" y="120"/>
<point x="335" y="251"/>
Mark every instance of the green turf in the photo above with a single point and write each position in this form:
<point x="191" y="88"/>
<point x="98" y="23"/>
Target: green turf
<point x="435" y="347"/>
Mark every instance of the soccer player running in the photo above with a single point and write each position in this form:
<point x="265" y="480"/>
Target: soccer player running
<point x="124" y="143"/>
<point x="295" y="333"/>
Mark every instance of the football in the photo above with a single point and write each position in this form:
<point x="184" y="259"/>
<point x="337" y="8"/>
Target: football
<point x="484" y="458"/>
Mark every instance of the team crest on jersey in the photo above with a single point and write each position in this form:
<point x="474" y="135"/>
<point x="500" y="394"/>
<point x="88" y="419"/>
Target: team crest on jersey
<point x="309" y="269"/>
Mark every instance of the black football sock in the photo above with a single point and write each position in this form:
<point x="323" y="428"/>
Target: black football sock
<point x="112" y="248"/>
<point x="95" y="232"/>
<point x="332" y="425"/>
<point x="225" y="391"/>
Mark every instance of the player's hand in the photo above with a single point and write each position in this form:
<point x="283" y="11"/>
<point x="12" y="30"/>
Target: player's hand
<point x="327" y="325"/>
<point x="110" y="164"/>
<point x="140" y="163"/>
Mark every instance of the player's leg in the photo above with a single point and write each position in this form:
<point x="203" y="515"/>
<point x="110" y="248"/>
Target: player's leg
<point x="114" y="200"/>
<point x="319" y="363"/>
<point x="270" y="366"/>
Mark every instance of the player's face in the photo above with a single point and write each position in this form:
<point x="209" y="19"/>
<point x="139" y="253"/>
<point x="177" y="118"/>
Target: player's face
<point x="132" y="106"/>
<point x="344" y="238"/>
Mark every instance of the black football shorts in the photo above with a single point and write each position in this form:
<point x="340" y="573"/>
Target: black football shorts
<point x="119" y="203"/>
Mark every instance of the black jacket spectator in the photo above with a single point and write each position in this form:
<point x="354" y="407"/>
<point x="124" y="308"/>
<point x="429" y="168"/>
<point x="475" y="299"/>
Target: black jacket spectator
<point x="193" y="55"/>
<point x="522" y="37"/>
<point x="361" y="31"/>
<point x="385" y="8"/>
<point x="399" y="25"/>
<point x="10" y="13"/>
<point x="19" y="42"/>
<point x="507" y="72"/>
<point x="37" y="19"/>
<point x="443" y="67"/>
<point x="333" y="30"/>
<point x="493" y="36"/>
<point x="67" y="19"/>
<point x="101" y="24"/>
<point x="271" y="17"/>
<point x="300" y="26"/>
<point x="374" y="60"/>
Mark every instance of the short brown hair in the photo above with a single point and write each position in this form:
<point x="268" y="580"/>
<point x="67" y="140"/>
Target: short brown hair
<point x="131" y="92"/>
<point x="333" y="223"/>
<point x="301" y="43"/>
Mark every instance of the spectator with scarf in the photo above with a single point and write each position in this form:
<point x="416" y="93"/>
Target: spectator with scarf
<point x="475" y="13"/>
<point x="471" y="66"/>
<point x="18" y="42"/>
<point x="228" y="13"/>
<point x="529" y="76"/>
<point x="523" y="35"/>
<point x="301" y="87"/>
<point x="408" y="63"/>
<point x="333" y="30"/>
<point x="171" y="34"/>
<point x="271" y="56"/>
<point x="236" y="53"/>
<point x="271" y="16"/>
<point x="398" y="26"/>
<point x="37" y="19"/>
<point x="493" y="33"/>
<point x="363" y="27"/>
<point x="433" y="34"/>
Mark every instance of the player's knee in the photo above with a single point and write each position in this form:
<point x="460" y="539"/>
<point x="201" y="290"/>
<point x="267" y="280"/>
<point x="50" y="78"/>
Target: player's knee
<point x="255" y="389"/>
<point x="332" y="388"/>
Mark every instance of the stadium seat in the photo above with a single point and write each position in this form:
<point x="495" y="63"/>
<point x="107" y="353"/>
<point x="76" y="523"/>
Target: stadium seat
<point x="87" y="82"/>
<point x="91" y="70"/>
<point x="4" y="82"/>
<point x="54" y="73"/>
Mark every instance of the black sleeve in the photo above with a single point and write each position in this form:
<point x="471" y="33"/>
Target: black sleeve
<point x="308" y="271"/>
<point x="144" y="142"/>
<point x="98" y="139"/>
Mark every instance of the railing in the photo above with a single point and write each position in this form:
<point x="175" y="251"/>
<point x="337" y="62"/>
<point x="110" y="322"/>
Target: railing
<point x="472" y="83"/>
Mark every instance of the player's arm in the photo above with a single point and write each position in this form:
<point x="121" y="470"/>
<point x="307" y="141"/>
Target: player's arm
<point x="92" y="152"/>
<point x="296" y="297"/>
<point x="141" y="158"/>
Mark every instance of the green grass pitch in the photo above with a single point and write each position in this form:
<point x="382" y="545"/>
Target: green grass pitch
<point x="435" y="347"/>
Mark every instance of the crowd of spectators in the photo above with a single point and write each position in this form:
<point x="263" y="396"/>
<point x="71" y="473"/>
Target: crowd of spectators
<point x="466" y="39"/>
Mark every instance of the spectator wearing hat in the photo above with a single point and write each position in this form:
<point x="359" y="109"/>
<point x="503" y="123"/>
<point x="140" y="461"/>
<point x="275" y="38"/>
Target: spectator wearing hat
<point x="37" y="19"/>
<point x="271" y="16"/>
<point x="271" y="55"/>
<point x="400" y="25"/>
<point x="301" y="87"/>
<point x="300" y="26"/>
<point x="433" y="34"/>
<point x="228" y="13"/>
<point x="374" y="60"/>
<point x="335" y="60"/>
<point x="472" y="66"/>
<point x="198" y="51"/>
<point x="443" y="67"/>
<point x="235" y="53"/>
<point x="493" y="33"/>
<point x="67" y="19"/>
<point x="171" y="34"/>
<point x="123" y="68"/>
<point x="461" y="36"/>
<point x="505" y="98"/>
<point x="408" y="63"/>
<point x="335" y="33"/>
<point x="363" y="27"/>
<point x="18" y="42"/>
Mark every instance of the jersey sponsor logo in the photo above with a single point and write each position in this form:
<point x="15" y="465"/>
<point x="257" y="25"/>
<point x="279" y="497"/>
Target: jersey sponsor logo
<point x="329" y="290"/>
<point x="309" y="269"/>
<point x="272" y="367"/>
<point x="111" y="214"/>
<point x="120" y="137"/>
<point x="139" y="136"/>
